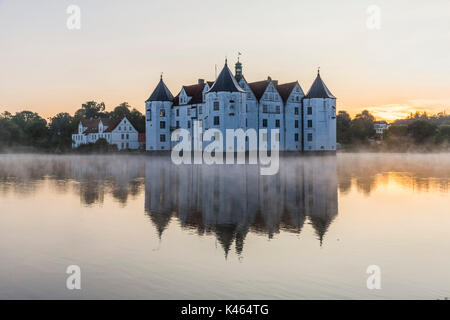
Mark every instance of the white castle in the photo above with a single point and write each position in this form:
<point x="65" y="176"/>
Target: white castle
<point x="305" y="122"/>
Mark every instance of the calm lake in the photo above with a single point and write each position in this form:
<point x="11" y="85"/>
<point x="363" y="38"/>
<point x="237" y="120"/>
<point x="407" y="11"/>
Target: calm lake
<point x="141" y="227"/>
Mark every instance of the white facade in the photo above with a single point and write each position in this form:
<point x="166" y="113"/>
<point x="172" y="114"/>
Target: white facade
<point x="305" y="122"/>
<point x="119" y="132"/>
<point x="380" y="127"/>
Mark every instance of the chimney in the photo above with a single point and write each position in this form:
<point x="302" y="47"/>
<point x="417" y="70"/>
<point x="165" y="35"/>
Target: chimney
<point x="201" y="81"/>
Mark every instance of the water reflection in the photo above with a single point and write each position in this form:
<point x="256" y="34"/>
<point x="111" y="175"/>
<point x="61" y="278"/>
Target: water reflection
<point x="92" y="177"/>
<point x="230" y="201"/>
<point x="225" y="201"/>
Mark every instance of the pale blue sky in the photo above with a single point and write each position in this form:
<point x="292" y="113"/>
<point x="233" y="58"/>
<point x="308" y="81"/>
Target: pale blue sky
<point x="124" y="45"/>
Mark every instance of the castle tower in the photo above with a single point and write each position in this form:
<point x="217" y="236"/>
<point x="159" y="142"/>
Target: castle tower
<point x="225" y="102"/>
<point x="319" y="118"/>
<point x="158" y="112"/>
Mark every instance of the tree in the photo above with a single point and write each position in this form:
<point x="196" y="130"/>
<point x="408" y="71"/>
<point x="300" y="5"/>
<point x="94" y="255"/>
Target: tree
<point x="443" y="133"/>
<point x="363" y="126"/>
<point x="422" y="130"/>
<point x="91" y="110"/>
<point x="396" y="130"/>
<point x="60" y="129"/>
<point x="121" y="111"/>
<point x="136" y="118"/>
<point x="343" y="127"/>
<point x="33" y="126"/>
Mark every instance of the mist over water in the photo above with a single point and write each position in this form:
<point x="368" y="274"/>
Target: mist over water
<point x="142" y="227"/>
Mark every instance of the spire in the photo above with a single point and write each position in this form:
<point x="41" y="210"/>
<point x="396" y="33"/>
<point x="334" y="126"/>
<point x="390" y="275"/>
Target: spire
<point x="226" y="82"/>
<point x="238" y="68"/>
<point x="319" y="89"/>
<point x="161" y="92"/>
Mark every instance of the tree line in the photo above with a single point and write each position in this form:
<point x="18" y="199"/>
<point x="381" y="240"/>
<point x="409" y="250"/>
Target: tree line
<point x="27" y="130"/>
<point x="418" y="131"/>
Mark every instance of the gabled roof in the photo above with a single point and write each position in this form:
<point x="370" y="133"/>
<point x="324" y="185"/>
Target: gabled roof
<point x="285" y="90"/>
<point x="161" y="93"/>
<point x="258" y="88"/>
<point x="319" y="90"/>
<point x="92" y="124"/>
<point x="226" y="82"/>
<point x="111" y="124"/>
<point x="195" y="92"/>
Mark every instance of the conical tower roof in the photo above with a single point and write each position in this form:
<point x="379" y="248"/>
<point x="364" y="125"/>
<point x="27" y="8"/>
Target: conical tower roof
<point x="319" y="90"/>
<point x="226" y="82"/>
<point x="161" y="93"/>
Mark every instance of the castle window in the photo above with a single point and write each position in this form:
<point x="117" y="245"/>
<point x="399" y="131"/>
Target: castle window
<point x="277" y="123"/>
<point x="188" y="112"/>
<point x="296" y="110"/>
<point x="200" y="110"/>
<point x="178" y="112"/>
<point x="162" y="124"/>
<point x="162" y="113"/>
<point x="309" y="110"/>
<point x="122" y="137"/>
<point x="216" y="121"/>
<point x="310" y="137"/>
<point x="162" y="138"/>
<point x="297" y="98"/>
<point x="216" y="105"/>
<point x="264" y="108"/>
<point x="296" y="137"/>
<point x="128" y="137"/>
<point x="178" y="124"/>
<point x="189" y="124"/>
<point x="264" y="123"/>
<point x="278" y="109"/>
<point x="296" y="124"/>
<point x="309" y="123"/>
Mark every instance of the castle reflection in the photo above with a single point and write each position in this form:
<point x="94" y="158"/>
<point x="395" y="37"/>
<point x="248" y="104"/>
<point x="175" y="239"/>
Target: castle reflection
<point x="231" y="201"/>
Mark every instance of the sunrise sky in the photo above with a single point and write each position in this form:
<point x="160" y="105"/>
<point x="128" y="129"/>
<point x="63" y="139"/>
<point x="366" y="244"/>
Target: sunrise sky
<point x="123" y="46"/>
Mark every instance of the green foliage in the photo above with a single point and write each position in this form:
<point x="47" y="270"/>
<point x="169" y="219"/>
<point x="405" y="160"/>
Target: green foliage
<point x="443" y="133"/>
<point x="343" y="128"/>
<point x="362" y="126"/>
<point x="91" y="110"/>
<point x="396" y="130"/>
<point x="422" y="130"/>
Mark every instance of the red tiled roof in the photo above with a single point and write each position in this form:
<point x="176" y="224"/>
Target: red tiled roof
<point x="285" y="90"/>
<point x="194" y="91"/>
<point x="258" y="88"/>
<point x="92" y="125"/>
<point x="111" y="124"/>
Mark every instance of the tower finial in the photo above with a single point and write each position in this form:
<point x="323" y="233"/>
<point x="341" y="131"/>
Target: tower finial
<point x="161" y="75"/>
<point x="318" y="71"/>
<point x="226" y="61"/>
